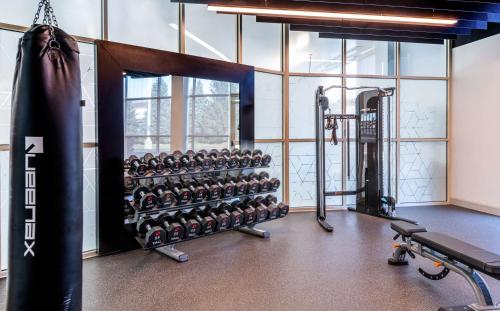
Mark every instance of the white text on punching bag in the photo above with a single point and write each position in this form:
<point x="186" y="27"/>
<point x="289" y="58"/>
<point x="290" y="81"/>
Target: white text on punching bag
<point x="33" y="145"/>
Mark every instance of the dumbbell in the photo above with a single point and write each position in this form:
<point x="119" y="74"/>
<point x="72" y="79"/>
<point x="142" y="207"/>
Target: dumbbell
<point x="218" y="162"/>
<point x="128" y="183"/>
<point x="284" y="208"/>
<point x="213" y="190"/>
<point x="235" y="216"/>
<point x="202" y="162"/>
<point x="166" y="196"/>
<point x="266" y="160"/>
<point x="275" y="182"/>
<point x="153" y="235"/>
<point x="249" y="213"/>
<point x="264" y="184"/>
<point x="170" y="162"/>
<point x="191" y="226"/>
<point x="256" y="158"/>
<point x="183" y="194"/>
<point x="231" y="161"/>
<point x="174" y="230"/>
<point x="154" y="163"/>
<point x="227" y="188"/>
<point x="187" y="162"/>
<point x="146" y="199"/>
<point x="136" y="166"/>
<point x="208" y="224"/>
<point x="223" y="221"/>
<point x="243" y="158"/>
<point x="252" y="184"/>
<point x="198" y="193"/>
<point x="240" y="187"/>
<point x="128" y="208"/>
<point x="271" y="207"/>
<point x="260" y="209"/>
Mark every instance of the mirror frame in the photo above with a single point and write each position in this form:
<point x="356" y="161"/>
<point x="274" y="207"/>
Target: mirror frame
<point x="113" y="61"/>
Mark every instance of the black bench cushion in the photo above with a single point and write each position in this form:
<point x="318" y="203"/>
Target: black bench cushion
<point x="473" y="256"/>
<point x="405" y="228"/>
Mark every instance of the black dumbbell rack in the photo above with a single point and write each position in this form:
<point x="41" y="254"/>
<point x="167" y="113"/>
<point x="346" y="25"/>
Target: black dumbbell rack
<point x="169" y="248"/>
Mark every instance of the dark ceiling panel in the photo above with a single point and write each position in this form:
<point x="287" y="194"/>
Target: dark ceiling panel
<point x="441" y="5"/>
<point x="361" y="25"/>
<point x="380" y="38"/>
<point x="476" y="18"/>
<point x="316" y="28"/>
<point x="374" y="32"/>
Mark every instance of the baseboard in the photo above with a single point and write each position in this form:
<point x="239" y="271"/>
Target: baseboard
<point x="476" y="206"/>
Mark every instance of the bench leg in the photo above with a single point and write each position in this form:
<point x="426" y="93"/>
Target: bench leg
<point x="478" y="284"/>
<point x="399" y="256"/>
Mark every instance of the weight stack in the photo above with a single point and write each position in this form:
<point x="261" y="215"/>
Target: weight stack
<point x="45" y="232"/>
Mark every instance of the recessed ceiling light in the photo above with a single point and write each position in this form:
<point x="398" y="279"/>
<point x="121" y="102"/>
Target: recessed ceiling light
<point x="333" y="15"/>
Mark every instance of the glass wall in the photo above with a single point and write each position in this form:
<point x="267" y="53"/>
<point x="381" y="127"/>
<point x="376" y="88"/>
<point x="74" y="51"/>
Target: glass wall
<point x="420" y="145"/>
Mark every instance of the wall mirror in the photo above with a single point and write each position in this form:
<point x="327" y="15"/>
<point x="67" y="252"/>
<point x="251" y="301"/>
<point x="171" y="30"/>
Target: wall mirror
<point x="152" y="101"/>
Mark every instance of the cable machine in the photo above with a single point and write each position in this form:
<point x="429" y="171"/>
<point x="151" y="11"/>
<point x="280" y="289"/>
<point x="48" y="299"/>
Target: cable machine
<point x="372" y="197"/>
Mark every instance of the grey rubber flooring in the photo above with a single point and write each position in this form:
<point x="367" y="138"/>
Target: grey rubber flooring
<point x="301" y="267"/>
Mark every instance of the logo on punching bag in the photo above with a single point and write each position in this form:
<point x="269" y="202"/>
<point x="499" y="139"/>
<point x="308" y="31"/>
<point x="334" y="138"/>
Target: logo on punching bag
<point x="32" y="147"/>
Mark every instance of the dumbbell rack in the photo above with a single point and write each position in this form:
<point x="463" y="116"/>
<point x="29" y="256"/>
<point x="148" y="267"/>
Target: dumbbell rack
<point x="169" y="249"/>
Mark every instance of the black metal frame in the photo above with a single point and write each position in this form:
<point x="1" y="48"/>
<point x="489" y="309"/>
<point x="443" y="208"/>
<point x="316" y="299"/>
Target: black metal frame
<point x="368" y="195"/>
<point x="113" y="61"/>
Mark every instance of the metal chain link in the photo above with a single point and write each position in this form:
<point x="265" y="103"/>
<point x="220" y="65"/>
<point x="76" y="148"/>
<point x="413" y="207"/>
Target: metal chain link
<point x="49" y="19"/>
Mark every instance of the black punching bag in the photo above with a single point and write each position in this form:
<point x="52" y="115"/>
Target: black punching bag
<point x="45" y="233"/>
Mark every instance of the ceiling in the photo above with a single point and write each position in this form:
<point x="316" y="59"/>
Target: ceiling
<point x="473" y="19"/>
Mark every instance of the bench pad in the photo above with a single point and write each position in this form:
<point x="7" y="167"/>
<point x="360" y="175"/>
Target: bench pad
<point x="405" y="228"/>
<point x="468" y="254"/>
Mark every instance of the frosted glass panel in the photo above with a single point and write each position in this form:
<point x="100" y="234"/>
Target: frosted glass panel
<point x="311" y="54"/>
<point x="302" y="92"/>
<point x="276" y="166"/>
<point x="89" y="199"/>
<point x="87" y="71"/>
<point x="423" y="109"/>
<point x="303" y="174"/>
<point x="76" y="17"/>
<point x="151" y="23"/>
<point x="204" y="36"/>
<point x="370" y="57"/>
<point x="261" y="44"/>
<point x="8" y="52"/>
<point x="423" y="172"/>
<point x="418" y="59"/>
<point x="4" y="207"/>
<point x="268" y="106"/>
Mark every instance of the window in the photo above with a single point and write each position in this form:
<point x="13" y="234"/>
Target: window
<point x="311" y="54"/>
<point x="152" y="23"/>
<point x="211" y="107"/>
<point x="268" y="106"/>
<point x="419" y="59"/>
<point x="147" y="115"/>
<point x="206" y="117"/>
<point x="371" y="57"/>
<point x="261" y="44"/>
<point x="76" y="17"/>
<point x="204" y="36"/>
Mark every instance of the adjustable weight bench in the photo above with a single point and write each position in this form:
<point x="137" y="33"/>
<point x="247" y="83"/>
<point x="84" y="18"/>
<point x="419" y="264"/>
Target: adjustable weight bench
<point x="452" y="255"/>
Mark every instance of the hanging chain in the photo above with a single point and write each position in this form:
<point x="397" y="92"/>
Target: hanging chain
<point x="49" y="19"/>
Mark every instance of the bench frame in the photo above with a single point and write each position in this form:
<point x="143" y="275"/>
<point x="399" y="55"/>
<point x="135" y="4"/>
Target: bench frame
<point x="474" y="279"/>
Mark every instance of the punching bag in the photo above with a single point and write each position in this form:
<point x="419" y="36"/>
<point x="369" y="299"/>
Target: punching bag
<point x="45" y="232"/>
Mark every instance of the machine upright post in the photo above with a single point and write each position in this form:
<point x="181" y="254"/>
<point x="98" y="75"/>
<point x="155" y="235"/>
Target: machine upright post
<point x="321" y="104"/>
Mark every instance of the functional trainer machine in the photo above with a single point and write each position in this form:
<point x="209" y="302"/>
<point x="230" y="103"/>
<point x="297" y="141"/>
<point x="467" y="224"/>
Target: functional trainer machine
<point x="371" y="196"/>
<point x="450" y="254"/>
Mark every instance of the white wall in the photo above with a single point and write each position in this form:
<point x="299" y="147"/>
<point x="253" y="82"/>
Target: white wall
<point x="475" y="126"/>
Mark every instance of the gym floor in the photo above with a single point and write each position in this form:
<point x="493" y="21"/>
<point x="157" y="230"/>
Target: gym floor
<point x="300" y="268"/>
